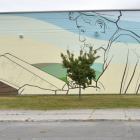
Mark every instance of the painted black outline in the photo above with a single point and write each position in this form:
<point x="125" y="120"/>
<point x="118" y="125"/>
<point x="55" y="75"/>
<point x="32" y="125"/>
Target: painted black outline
<point x="8" y="82"/>
<point x="136" y="90"/>
<point x="29" y="70"/>
<point x="36" y="87"/>
<point x="112" y="39"/>
<point x="28" y="64"/>
<point x="131" y="77"/>
<point x="121" y="88"/>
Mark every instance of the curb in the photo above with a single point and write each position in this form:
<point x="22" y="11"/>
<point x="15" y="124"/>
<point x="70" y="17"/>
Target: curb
<point x="68" y="120"/>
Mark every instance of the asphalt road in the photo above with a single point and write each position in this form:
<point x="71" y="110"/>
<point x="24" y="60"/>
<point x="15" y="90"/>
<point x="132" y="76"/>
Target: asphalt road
<point x="101" y="130"/>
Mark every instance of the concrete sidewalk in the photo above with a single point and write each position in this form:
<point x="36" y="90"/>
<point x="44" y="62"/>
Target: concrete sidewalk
<point x="70" y="115"/>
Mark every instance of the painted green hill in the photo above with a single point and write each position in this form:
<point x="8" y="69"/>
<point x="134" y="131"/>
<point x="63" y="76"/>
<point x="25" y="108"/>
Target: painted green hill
<point x="58" y="71"/>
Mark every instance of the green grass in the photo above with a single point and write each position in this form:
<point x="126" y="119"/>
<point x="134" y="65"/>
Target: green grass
<point x="68" y="102"/>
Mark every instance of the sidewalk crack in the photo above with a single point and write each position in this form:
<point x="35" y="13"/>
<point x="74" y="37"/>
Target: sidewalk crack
<point x="125" y="114"/>
<point x="91" y="114"/>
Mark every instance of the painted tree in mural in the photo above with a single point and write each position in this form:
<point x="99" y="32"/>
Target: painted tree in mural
<point x="79" y="69"/>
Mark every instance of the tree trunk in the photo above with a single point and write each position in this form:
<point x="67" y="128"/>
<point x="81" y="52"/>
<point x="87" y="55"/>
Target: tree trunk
<point x="79" y="92"/>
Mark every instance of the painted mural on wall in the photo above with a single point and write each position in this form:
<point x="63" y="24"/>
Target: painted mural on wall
<point x="31" y="44"/>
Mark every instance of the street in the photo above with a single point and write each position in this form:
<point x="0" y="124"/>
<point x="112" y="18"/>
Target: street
<point x="70" y="130"/>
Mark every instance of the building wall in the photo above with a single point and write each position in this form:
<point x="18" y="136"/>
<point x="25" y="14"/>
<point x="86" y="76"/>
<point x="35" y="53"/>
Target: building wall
<point x="46" y="35"/>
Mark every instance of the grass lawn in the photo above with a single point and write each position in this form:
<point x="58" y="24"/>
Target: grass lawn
<point x="68" y="102"/>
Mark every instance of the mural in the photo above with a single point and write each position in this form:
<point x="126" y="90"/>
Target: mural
<point x="31" y="43"/>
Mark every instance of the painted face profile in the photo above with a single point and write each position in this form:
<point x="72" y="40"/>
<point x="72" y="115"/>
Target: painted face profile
<point x="93" y="22"/>
<point x="87" y="26"/>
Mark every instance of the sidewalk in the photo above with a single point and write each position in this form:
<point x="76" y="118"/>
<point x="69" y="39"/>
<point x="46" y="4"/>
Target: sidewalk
<point x="70" y="115"/>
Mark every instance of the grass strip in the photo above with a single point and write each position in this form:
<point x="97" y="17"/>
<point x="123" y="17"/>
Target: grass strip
<point x="58" y="102"/>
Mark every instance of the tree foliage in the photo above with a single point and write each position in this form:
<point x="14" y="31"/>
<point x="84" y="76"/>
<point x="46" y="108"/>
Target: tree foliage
<point x="80" y="69"/>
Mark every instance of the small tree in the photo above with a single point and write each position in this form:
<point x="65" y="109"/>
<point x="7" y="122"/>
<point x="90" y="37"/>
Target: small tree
<point x="79" y="69"/>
